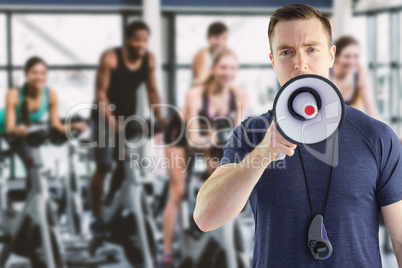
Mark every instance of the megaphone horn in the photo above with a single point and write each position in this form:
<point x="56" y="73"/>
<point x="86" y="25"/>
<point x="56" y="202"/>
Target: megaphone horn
<point x="308" y="110"/>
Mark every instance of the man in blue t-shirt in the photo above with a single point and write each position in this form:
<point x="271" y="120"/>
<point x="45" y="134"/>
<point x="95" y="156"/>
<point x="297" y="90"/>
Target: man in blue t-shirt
<point x="367" y="173"/>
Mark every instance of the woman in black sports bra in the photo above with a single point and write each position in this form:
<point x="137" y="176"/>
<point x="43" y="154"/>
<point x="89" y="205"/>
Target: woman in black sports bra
<point x="350" y="78"/>
<point x="211" y="106"/>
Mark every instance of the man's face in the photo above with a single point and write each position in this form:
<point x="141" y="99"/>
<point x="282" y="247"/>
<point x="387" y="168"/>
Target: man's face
<point x="137" y="43"/>
<point x="300" y="47"/>
<point x="217" y="42"/>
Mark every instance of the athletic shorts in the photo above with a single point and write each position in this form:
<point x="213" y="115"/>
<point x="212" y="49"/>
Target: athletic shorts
<point x="105" y="152"/>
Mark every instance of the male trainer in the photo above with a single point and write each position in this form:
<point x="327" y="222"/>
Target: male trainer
<point x="120" y="73"/>
<point x="367" y="178"/>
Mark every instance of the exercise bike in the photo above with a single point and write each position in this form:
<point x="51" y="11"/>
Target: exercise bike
<point x="224" y="247"/>
<point x="75" y="240"/>
<point x="32" y="232"/>
<point x="128" y="219"/>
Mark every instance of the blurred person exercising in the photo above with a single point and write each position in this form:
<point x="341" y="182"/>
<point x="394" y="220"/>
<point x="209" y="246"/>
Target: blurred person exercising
<point x="31" y="103"/>
<point x="366" y="169"/>
<point x="215" y="102"/>
<point x="120" y="73"/>
<point x="350" y="77"/>
<point x="217" y="36"/>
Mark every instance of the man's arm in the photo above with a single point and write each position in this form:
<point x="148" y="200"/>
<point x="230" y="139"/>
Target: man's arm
<point x="393" y="221"/>
<point x="225" y="193"/>
<point x="106" y="65"/>
<point x="153" y="95"/>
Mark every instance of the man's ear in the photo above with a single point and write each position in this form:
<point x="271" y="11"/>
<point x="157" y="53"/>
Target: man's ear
<point x="332" y="52"/>
<point x="272" y="60"/>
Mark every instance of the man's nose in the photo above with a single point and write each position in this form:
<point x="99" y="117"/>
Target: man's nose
<point x="301" y="62"/>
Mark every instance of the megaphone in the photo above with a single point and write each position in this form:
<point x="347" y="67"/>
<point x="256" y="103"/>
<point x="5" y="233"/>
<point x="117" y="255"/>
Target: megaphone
<point x="308" y="110"/>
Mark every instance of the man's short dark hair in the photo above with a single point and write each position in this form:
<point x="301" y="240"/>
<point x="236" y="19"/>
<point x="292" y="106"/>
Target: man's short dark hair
<point x="136" y="26"/>
<point x="216" y="28"/>
<point x="298" y="12"/>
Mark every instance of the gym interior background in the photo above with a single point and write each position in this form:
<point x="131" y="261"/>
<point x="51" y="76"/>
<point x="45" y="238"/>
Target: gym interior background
<point x="71" y="35"/>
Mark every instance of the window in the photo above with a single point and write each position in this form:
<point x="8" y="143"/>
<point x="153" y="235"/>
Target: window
<point x="3" y="40"/>
<point x="183" y="83"/>
<point x="383" y="38"/>
<point x="359" y="30"/>
<point x="400" y="41"/>
<point x="61" y="40"/>
<point x="3" y="89"/>
<point x="383" y="91"/>
<point x="64" y="39"/>
<point x="261" y="86"/>
<point x="248" y="37"/>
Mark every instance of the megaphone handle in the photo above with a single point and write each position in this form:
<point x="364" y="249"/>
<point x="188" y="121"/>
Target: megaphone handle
<point x="281" y="156"/>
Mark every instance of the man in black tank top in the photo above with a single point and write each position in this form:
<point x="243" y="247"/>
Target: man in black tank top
<point x="120" y="73"/>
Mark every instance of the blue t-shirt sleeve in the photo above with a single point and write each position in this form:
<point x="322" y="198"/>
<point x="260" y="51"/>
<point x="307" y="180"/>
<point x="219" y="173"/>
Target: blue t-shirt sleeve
<point x="389" y="184"/>
<point x="236" y="148"/>
<point x="245" y="138"/>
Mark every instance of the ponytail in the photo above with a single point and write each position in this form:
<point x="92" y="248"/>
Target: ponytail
<point x="30" y="63"/>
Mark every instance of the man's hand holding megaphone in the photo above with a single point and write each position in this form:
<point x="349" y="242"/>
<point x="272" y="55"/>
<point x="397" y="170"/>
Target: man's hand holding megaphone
<point x="308" y="110"/>
<point x="274" y="143"/>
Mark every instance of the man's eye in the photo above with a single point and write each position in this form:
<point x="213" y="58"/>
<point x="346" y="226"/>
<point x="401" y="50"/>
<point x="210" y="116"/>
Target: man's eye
<point x="287" y="52"/>
<point x="312" y="49"/>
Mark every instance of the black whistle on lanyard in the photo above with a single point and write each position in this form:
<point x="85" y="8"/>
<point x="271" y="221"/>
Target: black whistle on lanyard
<point x="318" y="241"/>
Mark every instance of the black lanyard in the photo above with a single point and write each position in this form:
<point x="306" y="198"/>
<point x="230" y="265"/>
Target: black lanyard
<point x="318" y="242"/>
<point x="330" y="179"/>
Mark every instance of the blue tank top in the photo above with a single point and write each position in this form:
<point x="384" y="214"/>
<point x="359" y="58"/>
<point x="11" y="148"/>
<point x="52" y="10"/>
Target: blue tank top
<point x="34" y="116"/>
